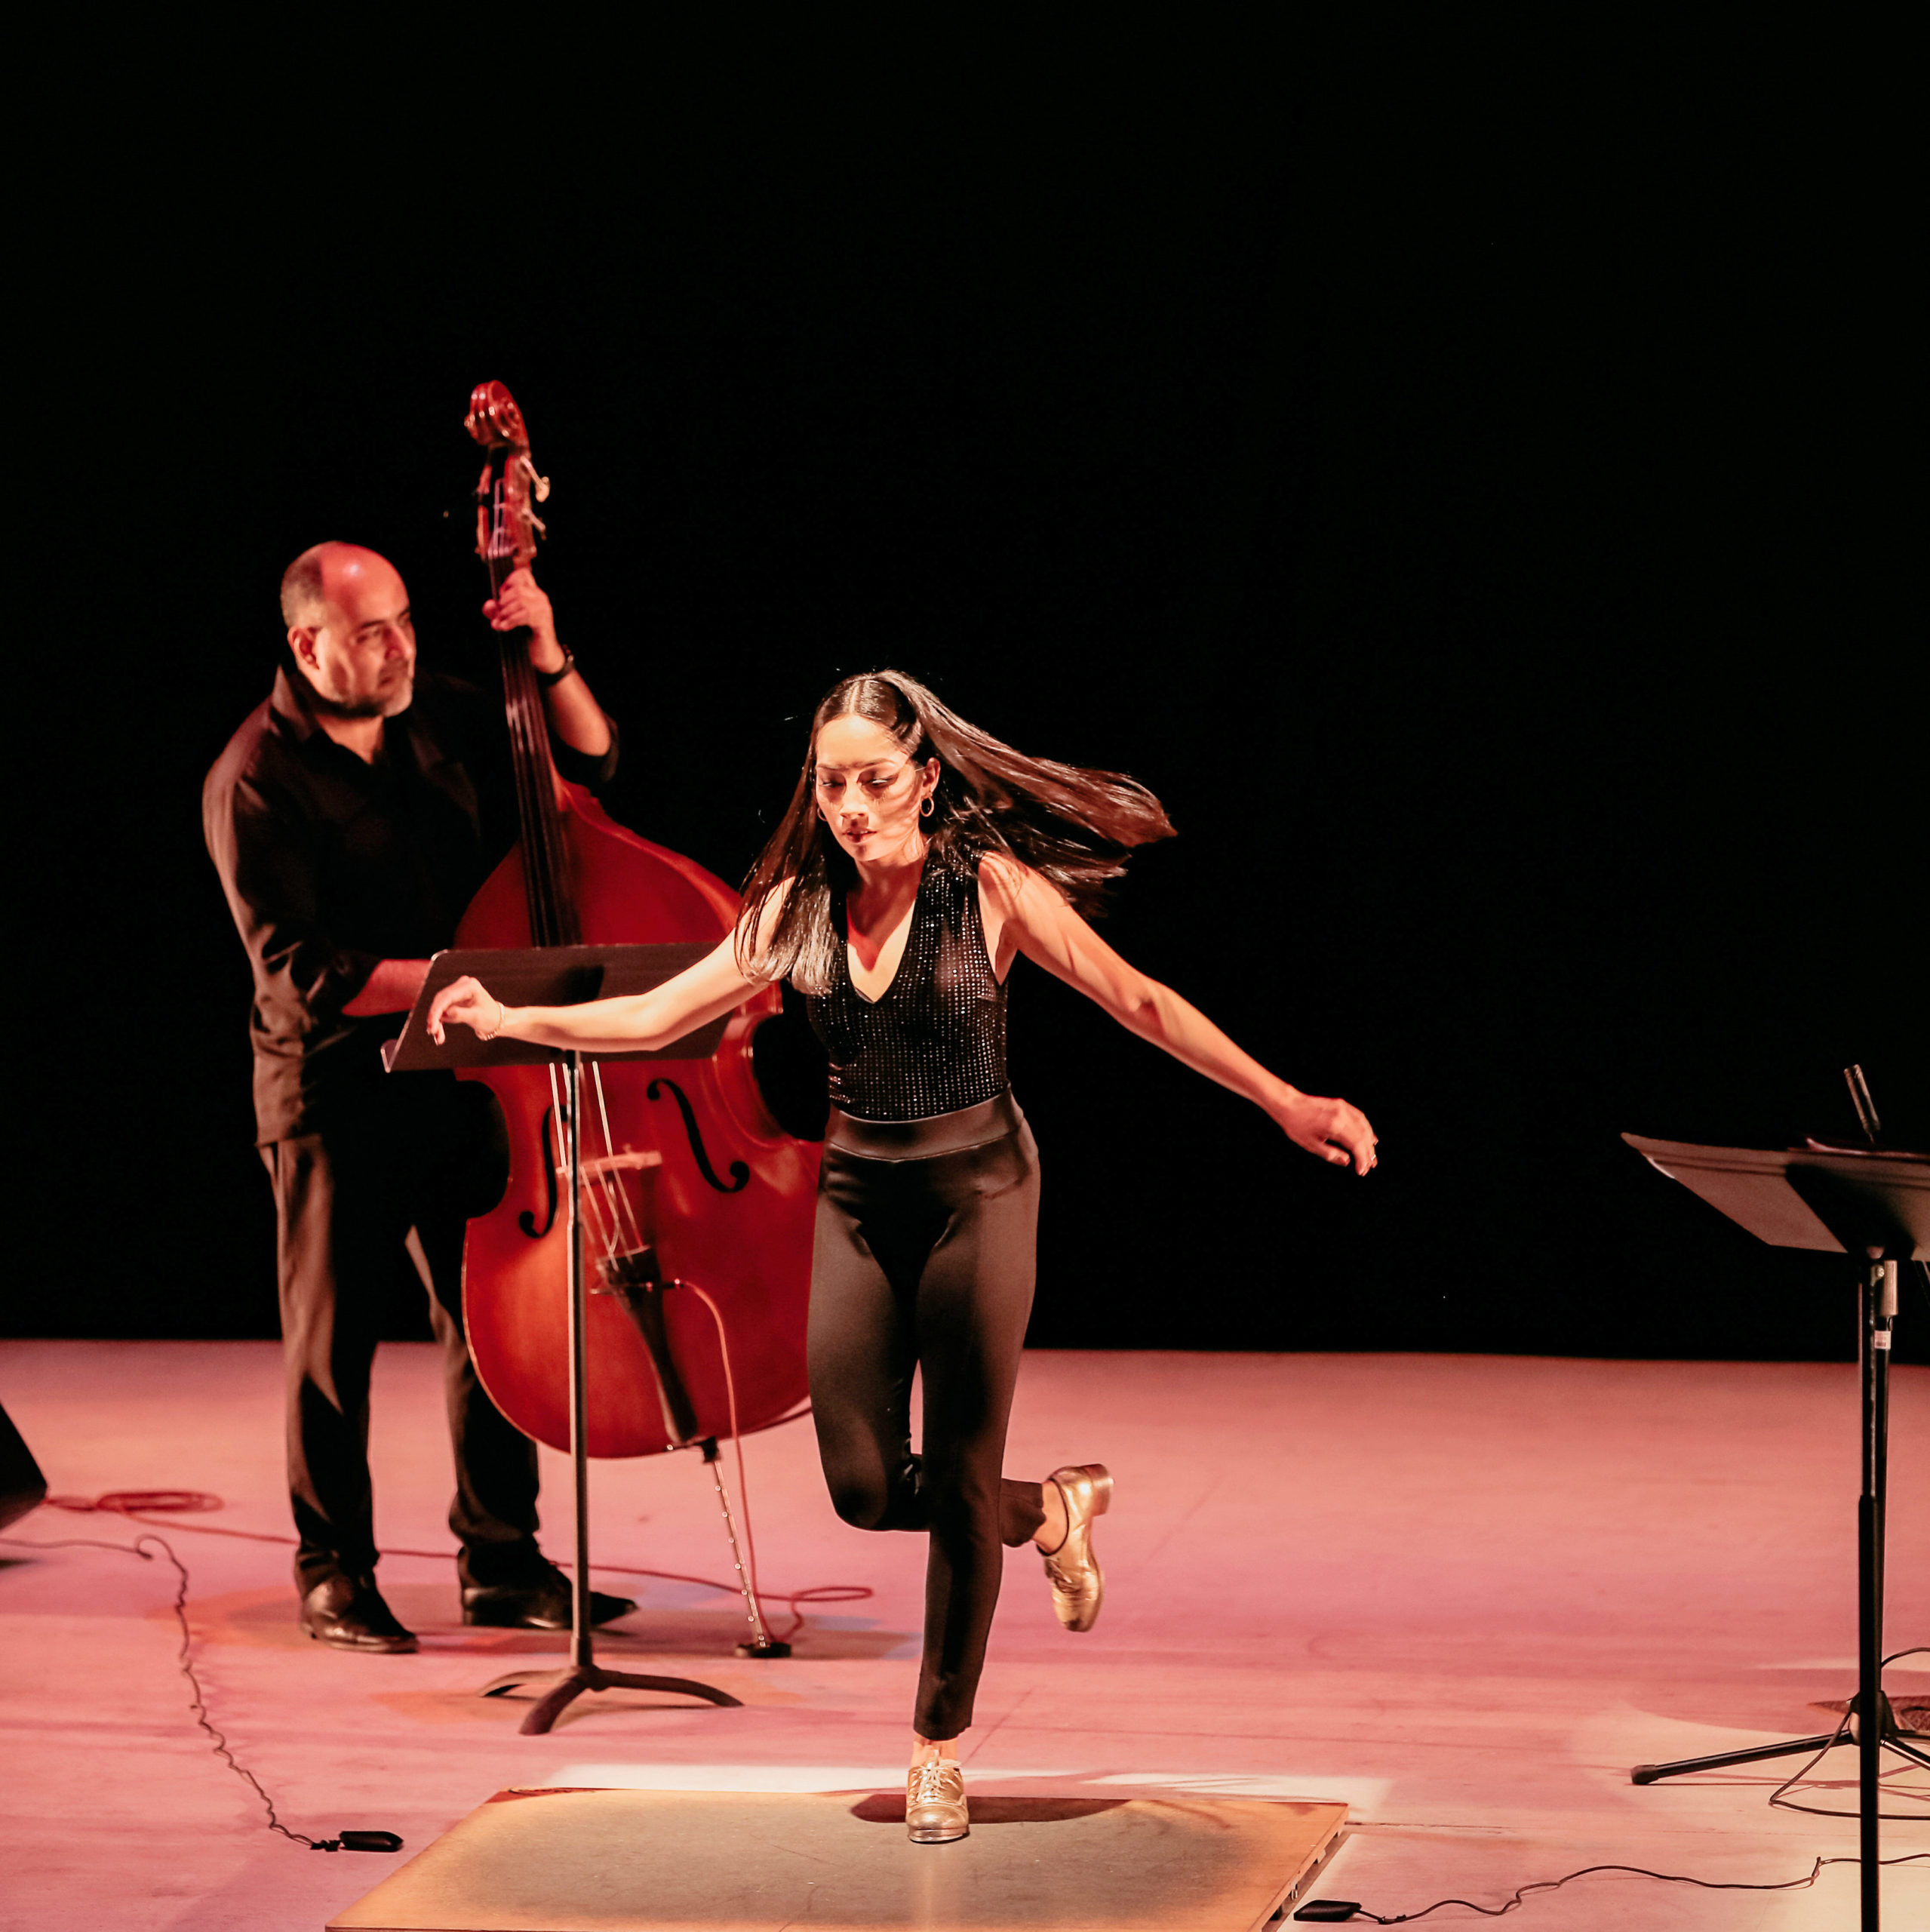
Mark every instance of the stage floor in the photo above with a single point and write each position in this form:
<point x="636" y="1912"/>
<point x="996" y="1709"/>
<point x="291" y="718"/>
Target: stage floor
<point x="1462" y="1594"/>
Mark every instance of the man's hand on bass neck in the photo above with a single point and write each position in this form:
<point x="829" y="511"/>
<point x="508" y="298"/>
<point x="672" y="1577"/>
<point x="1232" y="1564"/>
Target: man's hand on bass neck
<point x="578" y="719"/>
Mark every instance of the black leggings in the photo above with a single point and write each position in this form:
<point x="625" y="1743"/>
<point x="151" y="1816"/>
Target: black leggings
<point x="928" y="1261"/>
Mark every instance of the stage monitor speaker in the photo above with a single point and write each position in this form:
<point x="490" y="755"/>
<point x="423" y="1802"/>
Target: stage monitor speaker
<point x="22" y="1486"/>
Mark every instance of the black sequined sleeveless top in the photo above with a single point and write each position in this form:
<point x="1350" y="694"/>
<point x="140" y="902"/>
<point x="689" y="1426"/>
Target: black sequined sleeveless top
<point x="934" y="1041"/>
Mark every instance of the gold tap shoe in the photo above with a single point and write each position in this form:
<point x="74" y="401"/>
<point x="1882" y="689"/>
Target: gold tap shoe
<point x="935" y="1810"/>
<point x="1078" y="1584"/>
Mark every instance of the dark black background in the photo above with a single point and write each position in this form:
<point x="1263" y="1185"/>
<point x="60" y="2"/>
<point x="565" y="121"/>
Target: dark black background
<point x="1455" y="476"/>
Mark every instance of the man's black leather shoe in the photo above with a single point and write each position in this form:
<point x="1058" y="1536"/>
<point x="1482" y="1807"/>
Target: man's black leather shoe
<point x="348" y="1613"/>
<point x="544" y="1605"/>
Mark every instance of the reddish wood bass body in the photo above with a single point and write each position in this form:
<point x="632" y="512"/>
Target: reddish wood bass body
<point x="751" y="1250"/>
<point x="690" y="1182"/>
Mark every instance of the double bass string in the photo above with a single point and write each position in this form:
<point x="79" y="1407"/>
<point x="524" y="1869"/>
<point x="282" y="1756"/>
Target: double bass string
<point x="545" y="902"/>
<point x="536" y="802"/>
<point x="548" y="923"/>
<point x="603" y="1219"/>
<point x="619" y="1207"/>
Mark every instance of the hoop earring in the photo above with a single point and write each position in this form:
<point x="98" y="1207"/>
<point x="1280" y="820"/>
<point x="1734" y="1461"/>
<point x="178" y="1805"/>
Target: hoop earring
<point x="930" y="805"/>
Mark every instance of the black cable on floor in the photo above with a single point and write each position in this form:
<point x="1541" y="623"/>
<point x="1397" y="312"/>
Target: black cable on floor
<point x="198" y="1702"/>
<point x="137" y="1505"/>
<point x="131" y="1504"/>
<point x="1554" y="1884"/>
<point x="1776" y="1797"/>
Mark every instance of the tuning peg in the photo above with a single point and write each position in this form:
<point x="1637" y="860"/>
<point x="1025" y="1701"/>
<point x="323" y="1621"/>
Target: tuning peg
<point x="539" y="485"/>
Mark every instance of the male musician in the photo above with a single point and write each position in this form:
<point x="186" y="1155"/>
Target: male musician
<point x="351" y="818"/>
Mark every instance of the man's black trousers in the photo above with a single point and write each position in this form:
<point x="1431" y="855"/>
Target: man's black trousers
<point x="417" y="1155"/>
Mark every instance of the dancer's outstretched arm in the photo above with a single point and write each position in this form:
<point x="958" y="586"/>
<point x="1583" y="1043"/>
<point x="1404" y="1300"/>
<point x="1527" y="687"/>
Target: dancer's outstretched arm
<point x="716" y="985"/>
<point x="1026" y="913"/>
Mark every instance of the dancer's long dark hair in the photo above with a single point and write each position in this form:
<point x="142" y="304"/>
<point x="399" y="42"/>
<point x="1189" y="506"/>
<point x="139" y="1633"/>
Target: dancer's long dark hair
<point x="1073" y="826"/>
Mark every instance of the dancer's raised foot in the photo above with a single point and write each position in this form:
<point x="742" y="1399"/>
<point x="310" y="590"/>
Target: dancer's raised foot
<point x="1078" y="1584"/>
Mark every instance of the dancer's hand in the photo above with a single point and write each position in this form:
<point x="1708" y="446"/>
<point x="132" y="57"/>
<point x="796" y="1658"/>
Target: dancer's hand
<point x="1336" y="1132"/>
<point x="470" y="1003"/>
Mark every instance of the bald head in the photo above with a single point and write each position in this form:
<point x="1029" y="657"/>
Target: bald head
<point x="306" y="583"/>
<point x="350" y="628"/>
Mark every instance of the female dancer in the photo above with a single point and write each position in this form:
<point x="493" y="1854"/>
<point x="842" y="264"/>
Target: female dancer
<point x="919" y="857"/>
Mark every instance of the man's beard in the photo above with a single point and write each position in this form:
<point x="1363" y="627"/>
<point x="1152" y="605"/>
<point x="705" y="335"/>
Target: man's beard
<point x="392" y="705"/>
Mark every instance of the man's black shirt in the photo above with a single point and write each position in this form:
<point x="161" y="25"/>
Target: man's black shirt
<point x="331" y="864"/>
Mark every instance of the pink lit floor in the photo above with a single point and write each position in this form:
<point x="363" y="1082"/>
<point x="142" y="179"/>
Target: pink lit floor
<point x="1464" y="1594"/>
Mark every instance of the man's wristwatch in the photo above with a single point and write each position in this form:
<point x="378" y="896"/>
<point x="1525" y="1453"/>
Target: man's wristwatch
<point x="548" y="678"/>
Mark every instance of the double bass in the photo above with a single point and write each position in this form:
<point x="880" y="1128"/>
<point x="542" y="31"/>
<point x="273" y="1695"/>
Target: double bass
<point x="689" y="1178"/>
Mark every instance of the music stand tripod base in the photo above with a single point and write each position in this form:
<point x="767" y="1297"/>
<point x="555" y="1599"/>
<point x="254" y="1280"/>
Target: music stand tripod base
<point x="565" y="1686"/>
<point x="1890" y="1734"/>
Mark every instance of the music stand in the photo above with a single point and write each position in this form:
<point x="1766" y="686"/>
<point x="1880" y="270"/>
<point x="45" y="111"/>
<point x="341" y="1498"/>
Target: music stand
<point x="560" y="976"/>
<point x="1877" y="1205"/>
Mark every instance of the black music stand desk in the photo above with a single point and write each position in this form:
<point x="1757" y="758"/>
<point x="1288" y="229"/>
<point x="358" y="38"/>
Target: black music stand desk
<point x="1875" y="1205"/>
<point x="560" y="976"/>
